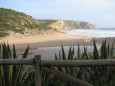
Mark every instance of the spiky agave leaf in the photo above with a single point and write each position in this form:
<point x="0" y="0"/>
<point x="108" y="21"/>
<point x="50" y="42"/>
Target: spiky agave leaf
<point x="60" y="55"/>
<point x="10" y="74"/>
<point x="70" y="70"/>
<point x="29" y="81"/>
<point x="108" y="50"/>
<point x="0" y="65"/>
<point x="90" y="74"/>
<point x="73" y="50"/>
<point x="26" y="52"/>
<point x="6" y="70"/>
<point x="9" y="50"/>
<point x="56" y="58"/>
<point x="78" y="52"/>
<point x="20" y="67"/>
<point x="14" y="52"/>
<point x="70" y="54"/>
<point x="5" y="67"/>
<point x="14" y="73"/>
<point x="103" y="50"/>
<point x="95" y="51"/>
<point x="5" y="53"/>
<point x="0" y="51"/>
<point x="25" y="73"/>
<point x="85" y="56"/>
<point x="63" y="53"/>
<point x="111" y="52"/>
<point x="2" y="81"/>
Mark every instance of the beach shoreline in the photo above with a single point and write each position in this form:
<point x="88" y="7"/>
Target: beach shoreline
<point x="46" y="40"/>
<point x="50" y="40"/>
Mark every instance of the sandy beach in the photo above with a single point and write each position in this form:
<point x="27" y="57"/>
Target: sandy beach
<point x="48" y="44"/>
<point x="46" y="40"/>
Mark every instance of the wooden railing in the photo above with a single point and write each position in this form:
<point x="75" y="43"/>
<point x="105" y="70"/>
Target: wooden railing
<point x="37" y="62"/>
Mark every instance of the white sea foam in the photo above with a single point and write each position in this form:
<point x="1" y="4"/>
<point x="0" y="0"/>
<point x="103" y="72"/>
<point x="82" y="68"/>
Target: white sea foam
<point x="93" y="32"/>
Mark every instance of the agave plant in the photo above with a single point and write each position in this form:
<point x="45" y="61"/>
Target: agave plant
<point x="14" y="75"/>
<point x="97" y="75"/>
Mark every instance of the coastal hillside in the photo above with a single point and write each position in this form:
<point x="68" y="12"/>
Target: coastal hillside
<point x="12" y="22"/>
<point x="16" y="24"/>
<point x="68" y="25"/>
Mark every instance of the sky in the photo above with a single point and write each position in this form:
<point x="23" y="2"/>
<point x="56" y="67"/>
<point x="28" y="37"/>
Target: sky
<point x="98" y="12"/>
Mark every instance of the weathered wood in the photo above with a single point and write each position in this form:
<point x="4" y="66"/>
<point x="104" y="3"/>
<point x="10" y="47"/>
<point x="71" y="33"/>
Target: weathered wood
<point x="78" y="63"/>
<point x="37" y="70"/>
<point x="16" y="61"/>
<point x="67" y="77"/>
<point x="65" y="63"/>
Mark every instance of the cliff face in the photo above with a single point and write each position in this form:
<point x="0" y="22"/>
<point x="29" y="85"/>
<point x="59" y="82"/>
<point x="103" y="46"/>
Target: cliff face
<point x="67" y="25"/>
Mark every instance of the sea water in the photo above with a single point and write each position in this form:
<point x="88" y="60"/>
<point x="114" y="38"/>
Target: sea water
<point x="98" y="32"/>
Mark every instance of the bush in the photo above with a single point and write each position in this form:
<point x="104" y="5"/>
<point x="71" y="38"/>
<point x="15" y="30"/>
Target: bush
<point x="3" y="34"/>
<point x="14" y="75"/>
<point x="97" y="75"/>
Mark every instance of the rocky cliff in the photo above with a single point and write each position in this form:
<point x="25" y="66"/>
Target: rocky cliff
<point x="67" y="25"/>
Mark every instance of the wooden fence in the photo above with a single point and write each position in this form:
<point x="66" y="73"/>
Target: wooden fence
<point x="37" y="62"/>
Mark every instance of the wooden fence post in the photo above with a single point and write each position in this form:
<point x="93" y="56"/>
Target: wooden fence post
<point x="37" y="70"/>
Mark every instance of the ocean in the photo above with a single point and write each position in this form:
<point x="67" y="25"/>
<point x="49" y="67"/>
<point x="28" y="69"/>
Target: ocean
<point x="98" y="32"/>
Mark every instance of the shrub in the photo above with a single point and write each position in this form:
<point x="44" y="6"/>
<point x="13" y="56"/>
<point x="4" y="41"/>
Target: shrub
<point x="97" y="75"/>
<point x="3" y="34"/>
<point x="14" y="75"/>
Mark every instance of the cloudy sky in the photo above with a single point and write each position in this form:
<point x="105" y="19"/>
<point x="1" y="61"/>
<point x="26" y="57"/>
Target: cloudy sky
<point x="99" y="12"/>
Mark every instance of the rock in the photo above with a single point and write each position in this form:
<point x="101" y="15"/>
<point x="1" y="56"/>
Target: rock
<point x="67" y="25"/>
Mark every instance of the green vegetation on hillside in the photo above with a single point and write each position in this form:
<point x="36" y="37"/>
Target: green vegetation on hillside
<point x="44" y="24"/>
<point x="3" y="34"/>
<point x="11" y="20"/>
